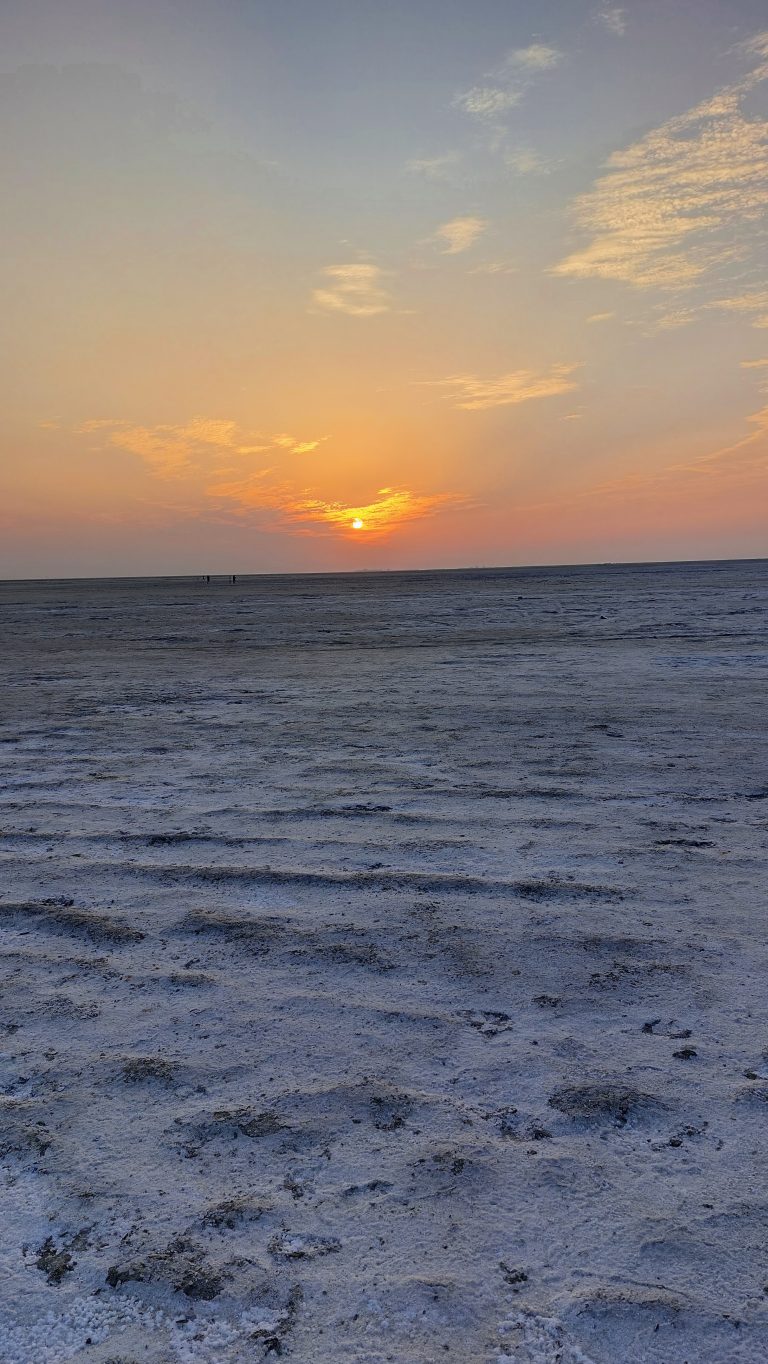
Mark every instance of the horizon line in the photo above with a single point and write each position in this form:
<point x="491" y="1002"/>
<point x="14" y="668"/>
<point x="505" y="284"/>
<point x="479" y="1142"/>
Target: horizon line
<point x="371" y="572"/>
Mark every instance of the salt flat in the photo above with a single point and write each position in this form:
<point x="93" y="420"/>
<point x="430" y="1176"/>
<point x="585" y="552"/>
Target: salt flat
<point x="383" y="966"/>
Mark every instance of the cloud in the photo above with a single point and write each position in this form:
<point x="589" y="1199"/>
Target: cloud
<point x="756" y="46"/>
<point x="681" y="201"/>
<point x="494" y="267"/>
<point x="537" y="57"/>
<point x="460" y="233"/>
<point x="297" y="447"/>
<point x="740" y="464"/>
<point x="754" y="305"/>
<point x="472" y="393"/>
<point x="599" y="317"/>
<point x="510" y="81"/>
<point x="355" y="289"/>
<point x="167" y="450"/>
<point x="673" y="320"/>
<point x="171" y="451"/>
<point x="501" y="91"/>
<point x="488" y="101"/>
<point x="391" y="508"/>
<point x="614" y="18"/>
<point x="434" y="167"/>
<point x="185" y="451"/>
<point x="523" y="161"/>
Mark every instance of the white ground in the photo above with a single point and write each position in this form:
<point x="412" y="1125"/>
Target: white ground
<point x="354" y="934"/>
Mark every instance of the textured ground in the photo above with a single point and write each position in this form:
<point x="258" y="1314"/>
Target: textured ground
<point x="383" y="969"/>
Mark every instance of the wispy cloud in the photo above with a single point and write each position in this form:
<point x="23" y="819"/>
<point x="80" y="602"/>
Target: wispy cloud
<point x="488" y="101"/>
<point x="473" y="393"/>
<point x="460" y="233"/>
<point x="743" y="462"/>
<point x="523" y="161"/>
<point x="537" y="57"/>
<point x="756" y="46"/>
<point x="204" y="452"/>
<point x="356" y="289"/>
<point x="614" y="18"/>
<point x="506" y="86"/>
<point x="740" y="464"/>
<point x="171" y="451"/>
<point x="434" y="167"/>
<point x="753" y="305"/>
<point x="390" y="509"/>
<point x="167" y="450"/>
<point x="599" y="317"/>
<point x="683" y="199"/>
<point x="672" y="320"/>
<point x="297" y="447"/>
<point x="494" y="267"/>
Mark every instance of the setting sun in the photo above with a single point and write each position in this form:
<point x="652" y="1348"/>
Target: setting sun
<point x="357" y="524"/>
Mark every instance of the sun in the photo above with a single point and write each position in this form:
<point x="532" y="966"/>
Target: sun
<point x="357" y="524"/>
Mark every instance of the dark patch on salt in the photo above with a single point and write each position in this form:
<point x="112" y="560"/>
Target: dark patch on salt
<point x="59" y="916"/>
<point x="53" y="1262"/>
<point x="613" y="1104"/>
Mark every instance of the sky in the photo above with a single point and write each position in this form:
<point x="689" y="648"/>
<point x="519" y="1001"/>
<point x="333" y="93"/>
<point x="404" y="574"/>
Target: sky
<point x="310" y="285"/>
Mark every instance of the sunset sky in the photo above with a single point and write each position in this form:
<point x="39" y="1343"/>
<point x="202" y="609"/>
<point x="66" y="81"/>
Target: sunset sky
<point x="336" y="284"/>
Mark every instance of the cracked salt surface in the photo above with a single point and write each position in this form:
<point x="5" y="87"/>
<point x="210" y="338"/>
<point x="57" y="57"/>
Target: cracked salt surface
<point x="540" y="1340"/>
<point x="64" y="1331"/>
<point x="345" y="959"/>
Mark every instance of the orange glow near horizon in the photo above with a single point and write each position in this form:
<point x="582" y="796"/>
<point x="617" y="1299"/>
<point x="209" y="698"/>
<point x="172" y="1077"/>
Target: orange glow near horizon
<point x="513" y="330"/>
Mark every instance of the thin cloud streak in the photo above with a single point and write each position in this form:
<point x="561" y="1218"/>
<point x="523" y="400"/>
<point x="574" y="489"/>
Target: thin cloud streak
<point x="474" y="394"/>
<point x="495" y="267"/>
<point x="753" y="305"/>
<point x="393" y="507"/>
<point x="435" y="167"/>
<point x="740" y="462"/>
<point x="297" y="447"/>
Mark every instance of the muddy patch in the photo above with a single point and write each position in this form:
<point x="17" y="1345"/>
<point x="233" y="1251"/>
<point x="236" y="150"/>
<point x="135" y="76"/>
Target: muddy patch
<point x="61" y="916"/>
<point x="181" y="1266"/>
<point x="604" y="1104"/>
